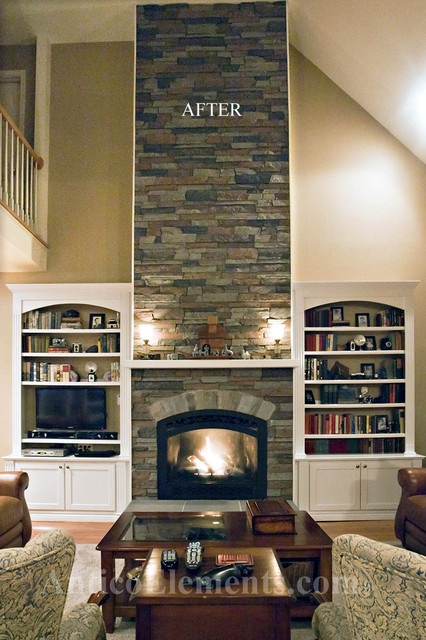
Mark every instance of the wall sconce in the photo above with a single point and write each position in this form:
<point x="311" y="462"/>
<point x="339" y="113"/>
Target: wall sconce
<point x="146" y="333"/>
<point x="276" y="332"/>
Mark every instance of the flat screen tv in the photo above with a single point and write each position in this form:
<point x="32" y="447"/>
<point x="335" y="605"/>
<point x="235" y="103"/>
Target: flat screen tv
<point x="71" y="408"/>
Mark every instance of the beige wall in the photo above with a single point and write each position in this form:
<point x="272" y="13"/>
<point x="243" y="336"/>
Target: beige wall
<point x="90" y="183"/>
<point x="358" y="205"/>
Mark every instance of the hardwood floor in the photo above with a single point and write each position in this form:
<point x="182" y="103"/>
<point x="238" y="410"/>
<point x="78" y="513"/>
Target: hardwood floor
<point x="93" y="532"/>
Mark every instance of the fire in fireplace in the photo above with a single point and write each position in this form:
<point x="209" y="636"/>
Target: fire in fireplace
<point x="212" y="454"/>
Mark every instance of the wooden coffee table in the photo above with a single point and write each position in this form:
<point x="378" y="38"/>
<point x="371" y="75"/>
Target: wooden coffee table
<point x="257" y="608"/>
<point x="135" y="534"/>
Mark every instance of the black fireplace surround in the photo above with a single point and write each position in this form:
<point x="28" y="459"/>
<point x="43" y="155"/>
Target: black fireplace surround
<point x="211" y="454"/>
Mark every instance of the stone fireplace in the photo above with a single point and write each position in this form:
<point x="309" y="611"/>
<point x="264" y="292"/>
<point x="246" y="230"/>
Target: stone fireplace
<point x="212" y="434"/>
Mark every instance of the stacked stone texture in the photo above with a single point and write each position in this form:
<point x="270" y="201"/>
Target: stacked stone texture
<point x="211" y="193"/>
<point x="151" y="385"/>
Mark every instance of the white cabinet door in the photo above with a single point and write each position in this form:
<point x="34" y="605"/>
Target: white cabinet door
<point x="379" y="484"/>
<point x="334" y="486"/>
<point x="90" y="488"/>
<point x="46" y="487"/>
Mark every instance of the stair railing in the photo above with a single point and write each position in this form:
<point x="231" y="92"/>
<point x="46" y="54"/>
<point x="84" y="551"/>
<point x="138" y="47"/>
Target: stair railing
<point x="19" y="164"/>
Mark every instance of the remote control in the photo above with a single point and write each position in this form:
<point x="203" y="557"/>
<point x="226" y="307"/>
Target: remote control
<point x="169" y="559"/>
<point x="193" y="556"/>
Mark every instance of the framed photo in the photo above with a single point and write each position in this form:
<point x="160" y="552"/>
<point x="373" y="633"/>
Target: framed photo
<point x="370" y="343"/>
<point x="362" y="319"/>
<point x="382" y="424"/>
<point x="336" y="314"/>
<point x="309" y="397"/>
<point x="97" y="321"/>
<point x="368" y="370"/>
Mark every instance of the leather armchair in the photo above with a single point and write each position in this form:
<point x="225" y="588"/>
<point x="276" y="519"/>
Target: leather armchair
<point x="33" y="589"/>
<point x="15" y="520"/>
<point x="410" y="519"/>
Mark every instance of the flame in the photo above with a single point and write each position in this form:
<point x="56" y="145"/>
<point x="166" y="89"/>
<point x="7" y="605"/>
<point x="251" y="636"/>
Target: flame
<point x="210" y="461"/>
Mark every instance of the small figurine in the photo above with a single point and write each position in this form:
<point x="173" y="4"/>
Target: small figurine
<point x="206" y="350"/>
<point x="245" y="354"/>
<point x="226" y="351"/>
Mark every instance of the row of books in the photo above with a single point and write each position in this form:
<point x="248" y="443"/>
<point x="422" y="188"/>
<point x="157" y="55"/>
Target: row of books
<point x="48" y="372"/>
<point x="346" y="423"/>
<point x="390" y="317"/>
<point x="345" y="394"/>
<point x="329" y="342"/>
<point x="42" y="319"/>
<point x="107" y="343"/>
<point x="317" y="368"/>
<point x="321" y="342"/>
<point x="45" y="372"/>
<point x="364" y="446"/>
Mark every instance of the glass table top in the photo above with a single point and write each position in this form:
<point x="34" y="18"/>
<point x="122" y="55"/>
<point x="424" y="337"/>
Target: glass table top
<point x="184" y="527"/>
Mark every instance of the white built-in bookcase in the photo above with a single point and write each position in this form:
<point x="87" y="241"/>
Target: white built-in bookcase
<point x="353" y="396"/>
<point x="72" y="487"/>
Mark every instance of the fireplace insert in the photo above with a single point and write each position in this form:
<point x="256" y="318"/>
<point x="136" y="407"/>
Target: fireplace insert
<point x="212" y="454"/>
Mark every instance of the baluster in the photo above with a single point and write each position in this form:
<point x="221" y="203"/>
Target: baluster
<point x="6" y="164"/>
<point x="35" y="221"/>
<point x="17" y="179"/>
<point x="21" y="198"/>
<point x="12" y="170"/>
<point x="27" y="197"/>
<point x="30" y="209"/>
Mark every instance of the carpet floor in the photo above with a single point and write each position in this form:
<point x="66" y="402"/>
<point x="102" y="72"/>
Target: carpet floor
<point x="86" y="579"/>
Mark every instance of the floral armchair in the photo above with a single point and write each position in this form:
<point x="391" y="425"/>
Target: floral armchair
<point x="384" y="593"/>
<point x="33" y="588"/>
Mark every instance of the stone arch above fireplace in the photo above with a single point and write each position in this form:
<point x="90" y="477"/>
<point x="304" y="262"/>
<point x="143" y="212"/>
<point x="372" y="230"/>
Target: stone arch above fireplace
<point x="212" y="399"/>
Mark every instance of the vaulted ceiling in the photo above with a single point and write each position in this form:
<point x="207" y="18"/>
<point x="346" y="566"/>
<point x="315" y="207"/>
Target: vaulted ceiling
<point x="374" y="50"/>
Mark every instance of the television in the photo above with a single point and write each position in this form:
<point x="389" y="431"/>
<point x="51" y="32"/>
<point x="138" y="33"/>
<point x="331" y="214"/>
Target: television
<point x="69" y="408"/>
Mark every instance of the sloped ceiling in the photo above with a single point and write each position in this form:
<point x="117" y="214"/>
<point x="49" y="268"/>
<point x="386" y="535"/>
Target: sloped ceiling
<point x="374" y="50"/>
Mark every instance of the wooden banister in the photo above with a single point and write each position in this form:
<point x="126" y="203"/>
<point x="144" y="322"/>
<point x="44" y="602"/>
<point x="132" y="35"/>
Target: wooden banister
<point x="19" y="165"/>
<point x="38" y="160"/>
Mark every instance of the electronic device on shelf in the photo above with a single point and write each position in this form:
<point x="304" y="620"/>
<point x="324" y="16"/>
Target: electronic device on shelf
<point x="193" y="556"/>
<point x="93" y="453"/>
<point x="221" y="576"/>
<point x="225" y="559"/>
<point x="73" y="434"/>
<point x="58" y="453"/>
<point x="169" y="559"/>
<point x="76" y="408"/>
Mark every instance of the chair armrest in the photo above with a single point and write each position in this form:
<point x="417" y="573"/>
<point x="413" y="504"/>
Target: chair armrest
<point x="99" y="598"/>
<point x="13" y="484"/>
<point x="82" y="622"/>
<point x="412" y="481"/>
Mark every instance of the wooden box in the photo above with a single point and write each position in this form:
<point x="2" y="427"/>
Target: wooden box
<point x="270" y="516"/>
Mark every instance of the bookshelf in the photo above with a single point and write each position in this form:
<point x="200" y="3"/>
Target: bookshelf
<point x="354" y="396"/>
<point x="74" y="340"/>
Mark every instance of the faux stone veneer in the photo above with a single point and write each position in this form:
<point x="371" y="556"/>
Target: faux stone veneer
<point x="265" y="393"/>
<point x="211" y="193"/>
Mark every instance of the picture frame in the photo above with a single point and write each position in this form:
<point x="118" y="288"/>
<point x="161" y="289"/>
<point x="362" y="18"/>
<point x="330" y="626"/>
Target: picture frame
<point x="368" y="369"/>
<point x="309" y="397"/>
<point x="370" y="343"/>
<point x="336" y="314"/>
<point x="362" y="319"/>
<point x="382" y="424"/>
<point x="97" y="321"/>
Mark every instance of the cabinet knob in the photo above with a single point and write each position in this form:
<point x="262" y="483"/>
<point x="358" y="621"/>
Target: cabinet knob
<point x="60" y="466"/>
<point x="68" y="466"/>
<point x="365" y="466"/>
<point x="358" y="466"/>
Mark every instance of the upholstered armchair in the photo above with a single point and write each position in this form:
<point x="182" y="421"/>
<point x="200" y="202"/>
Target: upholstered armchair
<point x="33" y="588"/>
<point x="410" y="519"/>
<point x="384" y="593"/>
<point x="15" y="520"/>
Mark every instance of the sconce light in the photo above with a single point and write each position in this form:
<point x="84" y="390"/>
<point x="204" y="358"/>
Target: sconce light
<point x="276" y="332"/>
<point x="146" y="333"/>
